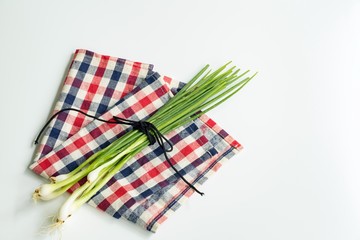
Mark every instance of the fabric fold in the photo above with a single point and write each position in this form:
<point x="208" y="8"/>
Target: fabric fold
<point x="146" y="190"/>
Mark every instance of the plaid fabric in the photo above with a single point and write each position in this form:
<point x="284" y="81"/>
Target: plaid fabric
<point x="146" y="190"/>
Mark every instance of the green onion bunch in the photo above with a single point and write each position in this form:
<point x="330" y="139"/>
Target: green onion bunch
<point x="205" y="91"/>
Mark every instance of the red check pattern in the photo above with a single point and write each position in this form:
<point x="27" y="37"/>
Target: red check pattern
<point x="146" y="190"/>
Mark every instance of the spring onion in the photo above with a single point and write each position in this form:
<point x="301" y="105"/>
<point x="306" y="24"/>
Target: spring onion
<point x="205" y="91"/>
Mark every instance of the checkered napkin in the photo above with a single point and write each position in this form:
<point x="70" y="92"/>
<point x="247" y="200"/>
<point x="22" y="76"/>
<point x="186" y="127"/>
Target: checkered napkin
<point x="146" y="190"/>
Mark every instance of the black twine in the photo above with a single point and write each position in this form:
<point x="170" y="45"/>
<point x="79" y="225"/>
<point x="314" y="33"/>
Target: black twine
<point x="147" y="128"/>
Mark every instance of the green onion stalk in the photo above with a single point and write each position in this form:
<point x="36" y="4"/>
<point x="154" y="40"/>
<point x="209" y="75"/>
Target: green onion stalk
<point x="205" y="91"/>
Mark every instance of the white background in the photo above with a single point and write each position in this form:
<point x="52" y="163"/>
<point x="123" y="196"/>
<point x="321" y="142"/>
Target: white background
<point x="298" y="175"/>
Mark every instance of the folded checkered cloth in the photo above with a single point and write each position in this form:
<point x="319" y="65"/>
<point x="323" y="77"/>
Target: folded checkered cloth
<point x="146" y="190"/>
